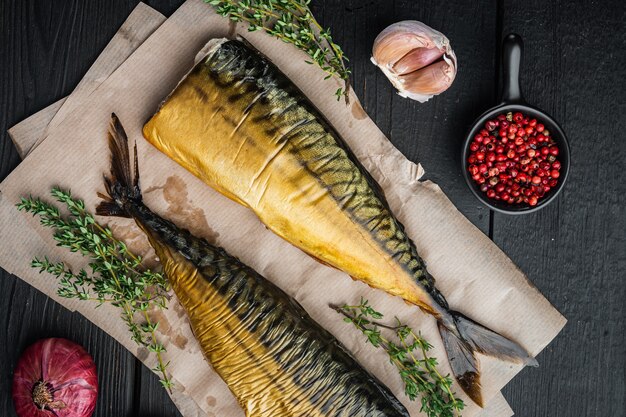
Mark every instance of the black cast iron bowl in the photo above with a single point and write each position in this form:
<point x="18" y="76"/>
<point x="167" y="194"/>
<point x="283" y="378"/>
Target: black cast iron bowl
<point x="512" y="101"/>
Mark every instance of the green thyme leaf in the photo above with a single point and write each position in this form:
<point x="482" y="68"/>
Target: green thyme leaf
<point x="292" y="22"/>
<point x="118" y="276"/>
<point x="408" y="353"/>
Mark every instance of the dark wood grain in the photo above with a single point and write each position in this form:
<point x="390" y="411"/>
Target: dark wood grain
<point x="430" y="133"/>
<point x="45" y="50"/>
<point x="574" y="250"/>
<point x="28" y="315"/>
<point x="39" y="52"/>
<point x="150" y="397"/>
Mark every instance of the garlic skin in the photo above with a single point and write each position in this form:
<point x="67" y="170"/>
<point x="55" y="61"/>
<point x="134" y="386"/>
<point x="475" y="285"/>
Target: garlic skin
<point x="417" y="59"/>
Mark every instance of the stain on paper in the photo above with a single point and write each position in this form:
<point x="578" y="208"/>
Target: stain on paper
<point x="136" y="241"/>
<point x="357" y="110"/>
<point x="142" y="354"/>
<point x="179" y="341"/>
<point x="179" y="309"/>
<point x="157" y="315"/>
<point x="175" y="337"/>
<point x="180" y="209"/>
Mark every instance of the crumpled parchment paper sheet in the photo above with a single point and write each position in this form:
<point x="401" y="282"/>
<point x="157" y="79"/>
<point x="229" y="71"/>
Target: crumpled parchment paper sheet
<point x="466" y="263"/>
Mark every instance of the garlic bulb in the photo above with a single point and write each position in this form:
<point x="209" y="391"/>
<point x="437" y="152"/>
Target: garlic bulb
<point x="417" y="59"/>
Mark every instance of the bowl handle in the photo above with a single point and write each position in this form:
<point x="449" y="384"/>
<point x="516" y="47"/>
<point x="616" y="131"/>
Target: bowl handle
<point x="512" y="48"/>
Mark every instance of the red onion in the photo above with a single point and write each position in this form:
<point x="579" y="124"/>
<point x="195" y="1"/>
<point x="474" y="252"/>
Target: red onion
<point x="55" y="378"/>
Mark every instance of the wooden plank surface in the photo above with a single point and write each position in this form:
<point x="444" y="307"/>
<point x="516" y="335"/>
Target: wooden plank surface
<point x="574" y="251"/>
<point x="46" y="48"/>
<point x="432" y="132"/>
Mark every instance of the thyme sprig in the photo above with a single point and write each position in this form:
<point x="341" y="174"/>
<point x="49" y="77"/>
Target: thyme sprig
<point x="292" y="22"/>
<point x="409" y="354"/>
<point x="117" y="275"/>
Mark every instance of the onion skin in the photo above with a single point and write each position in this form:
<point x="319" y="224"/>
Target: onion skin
<point x="69" y="373"/>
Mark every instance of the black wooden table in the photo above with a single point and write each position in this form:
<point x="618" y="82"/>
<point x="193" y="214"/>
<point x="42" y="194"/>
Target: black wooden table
<point x="574" y="251"/>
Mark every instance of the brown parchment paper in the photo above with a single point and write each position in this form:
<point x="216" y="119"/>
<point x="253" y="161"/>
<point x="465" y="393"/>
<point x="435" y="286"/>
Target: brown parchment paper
<point x="27" y="132"/>
<point x="142" y="21"/>
<point x="466" y="263"/>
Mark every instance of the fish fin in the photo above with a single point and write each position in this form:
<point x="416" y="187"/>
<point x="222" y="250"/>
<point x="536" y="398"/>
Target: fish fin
<point x="120" y="158"/>
<point x="463" y="363"/>
<point x="467" y="337"/>
<point x="122" y="183"/>
<point x="110" y="208"/>
<point x="490" y="343"/>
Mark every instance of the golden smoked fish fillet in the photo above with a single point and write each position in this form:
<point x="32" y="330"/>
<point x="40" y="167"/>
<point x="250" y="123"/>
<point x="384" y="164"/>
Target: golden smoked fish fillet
<point x="274" y="357"/>
<point x="236" y="122"/>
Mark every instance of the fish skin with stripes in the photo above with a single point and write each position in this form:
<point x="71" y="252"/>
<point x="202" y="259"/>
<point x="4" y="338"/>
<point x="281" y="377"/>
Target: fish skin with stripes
<point x="240" y="125"/>
<point x="273" y="356"/>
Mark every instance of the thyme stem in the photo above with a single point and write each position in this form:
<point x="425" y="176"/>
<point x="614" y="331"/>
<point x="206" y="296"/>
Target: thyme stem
<point x="292" y="22"/>
<point x="117" y="277"/>
<point x="418" y="372"/>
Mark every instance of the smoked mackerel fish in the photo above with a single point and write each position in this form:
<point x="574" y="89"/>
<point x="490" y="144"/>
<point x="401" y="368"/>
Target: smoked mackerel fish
<point x="236" y="122"/>
<point x="276" y="360"/>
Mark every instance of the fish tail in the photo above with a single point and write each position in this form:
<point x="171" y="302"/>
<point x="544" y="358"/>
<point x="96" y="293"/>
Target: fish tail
<point x="462" y="338"/>
<point x="122" y="183"/>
